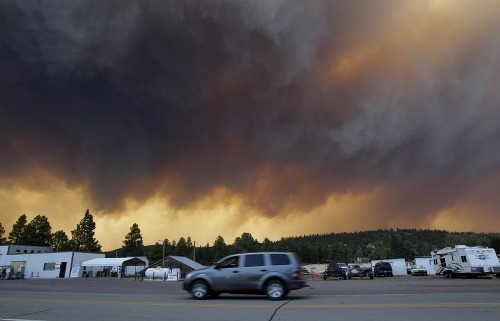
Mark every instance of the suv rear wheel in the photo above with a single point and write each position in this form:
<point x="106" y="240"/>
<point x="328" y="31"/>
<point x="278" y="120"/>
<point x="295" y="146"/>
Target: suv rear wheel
<point x="199" y="290"/>
<point x="275" y="290"/>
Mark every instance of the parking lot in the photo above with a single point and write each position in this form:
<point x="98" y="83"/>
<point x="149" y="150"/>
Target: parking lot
<point x="415" y="298"/>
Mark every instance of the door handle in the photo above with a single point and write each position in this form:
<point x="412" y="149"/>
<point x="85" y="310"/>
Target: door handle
<point x="235" y="271"/>
<point x="264" y="270"/>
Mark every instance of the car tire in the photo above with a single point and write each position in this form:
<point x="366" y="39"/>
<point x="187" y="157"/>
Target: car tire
<point x="324" y="277"/>
<point x="199" y="290"/>
<point x="275" y="290"/>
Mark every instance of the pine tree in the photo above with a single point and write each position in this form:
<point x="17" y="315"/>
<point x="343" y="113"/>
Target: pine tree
<point x="17" y="229"/>
<point x="246" y="243"/>
<point x="60" y="241"/>
<point x="37" y="232"/>
<point x="83" y="236"/>
<point x="220" y="249"/>
<point x="181" y="248"/>
<point x="3" y="240"/>
<point x="133" y="244"/>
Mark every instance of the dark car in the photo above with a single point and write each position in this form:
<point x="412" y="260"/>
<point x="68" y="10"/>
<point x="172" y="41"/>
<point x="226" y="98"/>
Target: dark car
<point x="356" y="270"/>
<point x="382" y="269"/>
<point x="334" y="270"/>
<point x="270" y="273"/>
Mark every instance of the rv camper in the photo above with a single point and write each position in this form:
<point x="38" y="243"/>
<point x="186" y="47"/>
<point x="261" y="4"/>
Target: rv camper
<point x="466" y="261"/>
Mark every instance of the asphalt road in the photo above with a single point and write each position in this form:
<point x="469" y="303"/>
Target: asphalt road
<point x="398" y="298"/>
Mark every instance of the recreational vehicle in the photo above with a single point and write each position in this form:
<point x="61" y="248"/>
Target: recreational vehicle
<point x="466" y="261"/>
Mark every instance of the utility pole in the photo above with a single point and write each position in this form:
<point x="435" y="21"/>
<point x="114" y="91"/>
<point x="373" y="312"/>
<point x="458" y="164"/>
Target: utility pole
<point x="163" y="257"/>
<point x="194" y="251"/>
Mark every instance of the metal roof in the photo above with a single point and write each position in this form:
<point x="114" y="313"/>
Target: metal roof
<point x="114" y="261"/>
<point x="186" y="261"/>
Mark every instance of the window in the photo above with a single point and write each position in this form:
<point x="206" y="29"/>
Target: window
<point x="231" y="262"/>
<point x="464" y="258"/>
<point x="49" y="266"/>
<point x="254" y="260"/>
<point x="280" y="259"/>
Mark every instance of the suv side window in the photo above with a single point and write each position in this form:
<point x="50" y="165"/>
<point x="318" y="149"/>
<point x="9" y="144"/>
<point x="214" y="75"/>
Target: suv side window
<point x="280" y="259"/>
<point x="230" y="262"/>
<point x="254" y="260"/>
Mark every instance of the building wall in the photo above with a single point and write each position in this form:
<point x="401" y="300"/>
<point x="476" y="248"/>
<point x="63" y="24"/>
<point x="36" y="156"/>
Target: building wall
<point x="28" y="249"/>
<point x="44" y="265"/>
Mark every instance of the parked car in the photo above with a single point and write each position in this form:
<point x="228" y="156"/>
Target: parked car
<point x="270" y="273"/>
<point x="382" y="269"/>
<point x="334" y="270"/>
<point x="356" y="270"/>
<point x="418" y="270"/>
<point x="344" y="267"/>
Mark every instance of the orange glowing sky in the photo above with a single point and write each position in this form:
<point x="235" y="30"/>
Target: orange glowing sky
<point x="274" y="118"/>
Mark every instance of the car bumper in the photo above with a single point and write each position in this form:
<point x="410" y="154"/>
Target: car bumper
<point x="186" y="286"/>
<point x="420" y="273"/>
<point x="385" y="273"/>
<point x="296" y="284"/>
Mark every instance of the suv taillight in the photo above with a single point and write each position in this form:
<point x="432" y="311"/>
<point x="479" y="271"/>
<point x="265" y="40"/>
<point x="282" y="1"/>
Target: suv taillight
<point x="298" y="273"/>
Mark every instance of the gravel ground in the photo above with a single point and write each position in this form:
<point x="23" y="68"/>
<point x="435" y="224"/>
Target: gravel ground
<point x="385" y="285"/>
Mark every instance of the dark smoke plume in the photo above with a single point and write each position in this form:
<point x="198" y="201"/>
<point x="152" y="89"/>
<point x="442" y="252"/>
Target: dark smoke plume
<point x="283" y="103"/>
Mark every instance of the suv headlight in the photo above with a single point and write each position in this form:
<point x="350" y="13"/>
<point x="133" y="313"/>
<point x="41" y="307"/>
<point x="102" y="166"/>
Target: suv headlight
<point x="189" y="275"/>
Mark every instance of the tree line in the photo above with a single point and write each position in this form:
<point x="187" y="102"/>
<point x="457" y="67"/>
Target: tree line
<point x="38" y="232"/>
<point x="324" y="248"/>
<point x="317" y="248"/>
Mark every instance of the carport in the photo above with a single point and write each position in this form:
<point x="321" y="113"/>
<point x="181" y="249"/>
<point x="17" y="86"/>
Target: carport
<point x="119" y="263"/>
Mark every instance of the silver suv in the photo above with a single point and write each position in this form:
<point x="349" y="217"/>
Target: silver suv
<point x="271" y="273"/>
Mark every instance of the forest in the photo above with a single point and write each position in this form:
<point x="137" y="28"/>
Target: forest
<point x="323" y="248"/>
<point x="316" y="248"/>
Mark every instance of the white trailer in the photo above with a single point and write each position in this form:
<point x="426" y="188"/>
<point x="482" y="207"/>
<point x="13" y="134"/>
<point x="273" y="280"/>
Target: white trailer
<point x="466" y="261"/>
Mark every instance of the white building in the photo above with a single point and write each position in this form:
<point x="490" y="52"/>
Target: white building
<point x="426" y="262"/>
<point x="398" y="265"/>
<point x="27" y="261"/>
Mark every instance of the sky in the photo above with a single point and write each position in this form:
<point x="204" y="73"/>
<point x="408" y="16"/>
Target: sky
<point x="276" y="118"/>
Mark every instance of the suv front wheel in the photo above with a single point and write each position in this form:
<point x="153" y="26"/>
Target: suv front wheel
<point x="199" y="290"/>
<point x="275" y="290"/>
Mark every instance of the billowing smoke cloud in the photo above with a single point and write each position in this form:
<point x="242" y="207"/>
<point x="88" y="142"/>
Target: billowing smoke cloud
<point x="280" y="103"/>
